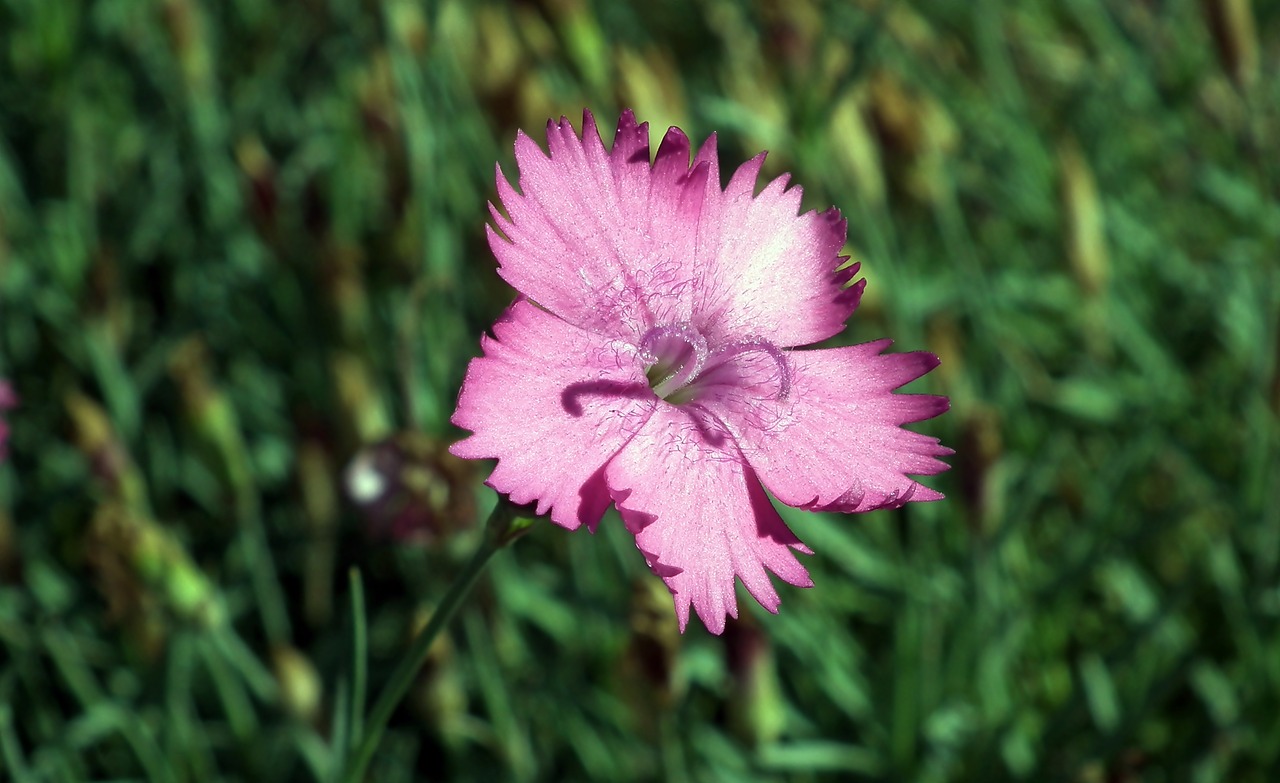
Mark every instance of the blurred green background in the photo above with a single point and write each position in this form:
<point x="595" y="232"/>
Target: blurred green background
<point x="242" y="270"/>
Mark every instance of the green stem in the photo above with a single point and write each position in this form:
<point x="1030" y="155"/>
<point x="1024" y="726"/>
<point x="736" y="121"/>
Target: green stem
<point x="507" y="523"/>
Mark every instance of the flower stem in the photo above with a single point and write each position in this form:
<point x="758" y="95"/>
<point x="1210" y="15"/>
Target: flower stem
<point x="507" y="523"/>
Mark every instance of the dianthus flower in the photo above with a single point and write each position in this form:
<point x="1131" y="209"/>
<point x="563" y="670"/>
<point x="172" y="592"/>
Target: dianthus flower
<point x="651" y="362"/>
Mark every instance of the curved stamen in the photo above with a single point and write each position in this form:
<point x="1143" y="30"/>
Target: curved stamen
<point x="726" y="353"/>
<point x="675" y="353"/>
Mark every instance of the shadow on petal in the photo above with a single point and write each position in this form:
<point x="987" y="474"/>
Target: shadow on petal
<point x="571" y="397"/>
<point x="595" y="498"/>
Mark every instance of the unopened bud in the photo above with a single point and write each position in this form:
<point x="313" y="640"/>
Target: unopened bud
<point x="757" y="712"/>
<point x="301" y="690"/>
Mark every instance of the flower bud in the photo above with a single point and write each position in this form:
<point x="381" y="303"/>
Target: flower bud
<point x="301" y="691"/>
<point x="756" y="710"/>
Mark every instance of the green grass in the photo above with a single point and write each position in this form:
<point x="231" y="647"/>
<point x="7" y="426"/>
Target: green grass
<point x="241" y="241"/>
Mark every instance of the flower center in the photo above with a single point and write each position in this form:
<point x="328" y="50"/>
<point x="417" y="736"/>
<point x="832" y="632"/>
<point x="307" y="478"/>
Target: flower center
<point x="681" y="367"/>
<point x="675" y="354"/>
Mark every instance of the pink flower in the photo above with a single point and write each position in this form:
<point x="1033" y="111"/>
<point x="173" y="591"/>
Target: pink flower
<point x="651" y="362"/>
<point x="8" y="401"/>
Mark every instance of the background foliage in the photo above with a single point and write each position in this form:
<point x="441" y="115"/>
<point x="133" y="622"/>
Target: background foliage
<point x="241" y="247"/>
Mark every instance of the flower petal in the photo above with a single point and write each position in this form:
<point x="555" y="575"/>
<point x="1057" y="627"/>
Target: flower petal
<point x="598" y="237"/>
<point x="700" y="517"/>
<point x="835" y="442"/>
<point x="769" y="272"/>
<point x="552" y="403"/>
<point x="614" y="245"/>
